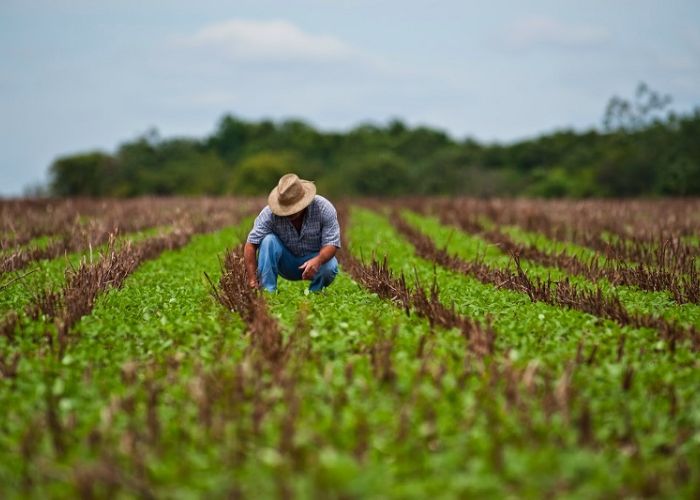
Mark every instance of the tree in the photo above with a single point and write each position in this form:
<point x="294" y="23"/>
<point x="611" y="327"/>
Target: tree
<point x="629" y="116"/>
<point x="384" y="174"/>
<point x="230" y="139"/>
<point x="640" y="152"/>
<point x="259" y="173"/>
<point x="80" y="175"/>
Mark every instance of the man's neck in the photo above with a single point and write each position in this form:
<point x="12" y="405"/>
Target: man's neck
<point x="299" y="221"/>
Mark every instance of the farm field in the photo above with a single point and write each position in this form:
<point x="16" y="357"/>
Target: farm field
<point x="508" y="348"/>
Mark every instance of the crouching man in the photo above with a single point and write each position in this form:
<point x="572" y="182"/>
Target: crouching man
<point x="295" y="236"/>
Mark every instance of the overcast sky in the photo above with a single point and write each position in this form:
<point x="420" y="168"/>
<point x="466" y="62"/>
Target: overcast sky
<point x="77" y="75"/>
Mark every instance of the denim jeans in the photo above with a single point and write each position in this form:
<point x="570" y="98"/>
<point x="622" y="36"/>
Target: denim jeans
<point x="275" y="259"/>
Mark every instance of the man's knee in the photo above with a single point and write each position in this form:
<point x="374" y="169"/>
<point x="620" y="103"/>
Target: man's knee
<point x="270" y="243"/>
<point x="270" y="239"/>
<point x="329" y="270"/>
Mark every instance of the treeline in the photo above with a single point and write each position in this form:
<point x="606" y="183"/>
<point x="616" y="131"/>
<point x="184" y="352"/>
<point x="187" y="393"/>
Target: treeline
<point x="638" y="152"/>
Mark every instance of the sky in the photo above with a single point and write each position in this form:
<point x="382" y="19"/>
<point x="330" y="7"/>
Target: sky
<point x="81" y="75"/>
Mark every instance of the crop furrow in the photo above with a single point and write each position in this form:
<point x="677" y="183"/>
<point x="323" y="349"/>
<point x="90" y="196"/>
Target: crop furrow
<point x="656" y="240"/>
<point x="234" y="293"/>
<point x="569" y="395"/>
<point x="677" y="276"/>
<point x="144" y="355"/>
<point x="83" y="285"/>
<point x="377" y="278"/>
<point x="524" y="389"/>
<point x="72" y="235"/>
<point x="22" y="286"/>
<point x="367" y="388"/>
<point x="559" y="293"/>
<point x="270" y="378"/>
<point x="469" y="247"/>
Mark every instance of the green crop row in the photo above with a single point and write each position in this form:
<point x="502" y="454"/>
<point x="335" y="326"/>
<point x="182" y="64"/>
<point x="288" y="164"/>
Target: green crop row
<point x="161" y="392"/>
<point x="38" y="242"/>
<point x="470" y="247"/>
<point x="24" y="284"/>
<point x="163" y="314"/>
<point x="542" y="242"/>
<point x="531" y="332"/>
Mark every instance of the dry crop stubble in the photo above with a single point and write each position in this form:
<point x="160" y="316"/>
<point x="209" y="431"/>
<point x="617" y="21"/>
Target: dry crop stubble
<point x="631" y="365"/>
<point x="90" y="223"/>
<point x="558" y="398"/>
<point x="664" y="262"/>
<point x="378" y="278"/>
<point x="384" y="385"/>
<point x="622" y="230"/>
<point x="563" y="293"/>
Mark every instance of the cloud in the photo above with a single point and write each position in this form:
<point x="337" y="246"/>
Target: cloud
<point x="267" y="41"/>
<point x="533" y="32"/>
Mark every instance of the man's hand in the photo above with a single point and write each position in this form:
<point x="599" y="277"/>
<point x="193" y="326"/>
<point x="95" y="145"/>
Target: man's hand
<point x="310" y="268"/>
<point x="250" y="264"/>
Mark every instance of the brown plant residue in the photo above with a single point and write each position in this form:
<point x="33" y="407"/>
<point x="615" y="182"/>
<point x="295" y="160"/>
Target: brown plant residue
<point x="65" y="222"/>
<point x="109" y="271"/>
<point x="666" y="266"/>
<point x="558" y="293"/>
<point x="378" y="278"/>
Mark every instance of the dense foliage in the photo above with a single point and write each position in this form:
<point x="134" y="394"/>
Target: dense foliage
<point x="492" y="367"/>
<point x="639" y="151"/>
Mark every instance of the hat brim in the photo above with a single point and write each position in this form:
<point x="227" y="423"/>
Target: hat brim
<point x="284" y="210"/>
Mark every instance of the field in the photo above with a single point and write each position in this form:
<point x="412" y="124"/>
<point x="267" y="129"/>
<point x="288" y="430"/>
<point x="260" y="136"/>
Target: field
<point x="467" y="348"/>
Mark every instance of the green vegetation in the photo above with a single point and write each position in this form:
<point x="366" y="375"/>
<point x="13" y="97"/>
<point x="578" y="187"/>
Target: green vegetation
<point x="550" y="336"/>
<point x="469" y="247"/>
<point x="40" y="242"/>
<point x="24" y="284"/>
<point x="161" y="392"/>
<point x="640" y="151"/>
<point x="163" y="313"/>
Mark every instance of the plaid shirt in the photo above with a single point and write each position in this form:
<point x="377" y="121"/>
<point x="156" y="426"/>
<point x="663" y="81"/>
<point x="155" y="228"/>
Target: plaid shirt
<point x="319" y="229"/>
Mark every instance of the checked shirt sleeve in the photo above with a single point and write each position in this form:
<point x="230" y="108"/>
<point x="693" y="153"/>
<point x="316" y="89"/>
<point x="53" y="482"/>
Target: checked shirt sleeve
<point x="261" y="227"/>
<point x="330" y="229"/>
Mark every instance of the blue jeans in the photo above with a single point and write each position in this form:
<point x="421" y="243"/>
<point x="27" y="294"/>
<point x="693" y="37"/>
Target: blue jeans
<point x="275" y="259"/>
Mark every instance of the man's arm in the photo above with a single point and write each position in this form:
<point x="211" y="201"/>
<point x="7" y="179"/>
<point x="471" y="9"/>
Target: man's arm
<point x="312" y="265"/>
<point x="261" y="227"/>
<point x="251" y="265"/>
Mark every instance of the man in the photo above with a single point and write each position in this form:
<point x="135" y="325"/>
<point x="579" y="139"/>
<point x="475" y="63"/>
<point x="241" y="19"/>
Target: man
<point x="296" y="236"/>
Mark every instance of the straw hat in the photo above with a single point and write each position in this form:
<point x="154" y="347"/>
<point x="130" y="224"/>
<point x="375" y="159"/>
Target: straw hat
<point x="291" y="195"/>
